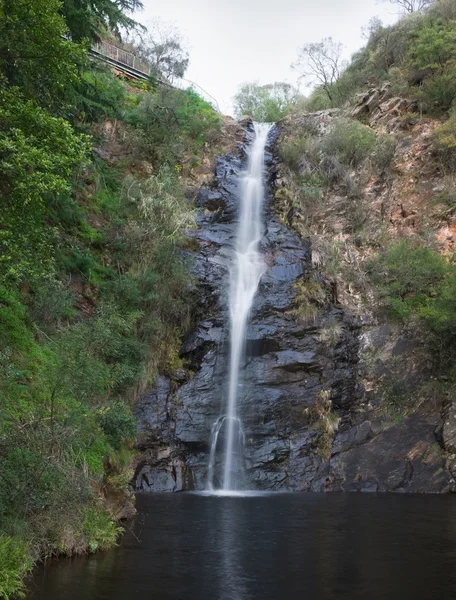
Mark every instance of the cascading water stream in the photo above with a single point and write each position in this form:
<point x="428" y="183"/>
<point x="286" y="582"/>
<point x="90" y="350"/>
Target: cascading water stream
<point x="245" y="274"/>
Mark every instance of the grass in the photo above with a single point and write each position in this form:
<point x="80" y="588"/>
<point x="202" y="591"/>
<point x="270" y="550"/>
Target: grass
<point x="15" y="563"/>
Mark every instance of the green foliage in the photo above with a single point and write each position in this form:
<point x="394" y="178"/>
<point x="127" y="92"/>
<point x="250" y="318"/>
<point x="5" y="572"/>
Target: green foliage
<point x="433" y="52"/>
<point x="383" y="153"/>
<point x="293" y="151"/>
<point x="38" y="154"/>
<point x="445" y="142"/>
<point x="409" y="277"/>
<point x="101" y="532"/>
<point x="35" y="54"/>
<point x="15" y="563"/>
<point x="350" y="141"/>
<point x="416" y="281"/>
<point x="433" y="46"/>
<point x="169" y="121"/>
<point x="93" y="19"/>
<point x="195" y="116"/>
<point x="99" y="95"/>
<point x="118" y="424"/>
<point x="265" y="103"/>
<point x="95" y="291"/>
<point x="440" y="312"/>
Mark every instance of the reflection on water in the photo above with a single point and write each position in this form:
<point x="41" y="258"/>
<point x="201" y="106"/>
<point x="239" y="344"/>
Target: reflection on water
<point x="269" y="547"/>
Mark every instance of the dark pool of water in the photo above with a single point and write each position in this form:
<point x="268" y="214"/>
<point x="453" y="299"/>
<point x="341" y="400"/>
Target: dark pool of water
<point x="286" y="547"/>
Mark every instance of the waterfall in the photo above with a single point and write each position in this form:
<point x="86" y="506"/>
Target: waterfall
<point x="245" y="274"/>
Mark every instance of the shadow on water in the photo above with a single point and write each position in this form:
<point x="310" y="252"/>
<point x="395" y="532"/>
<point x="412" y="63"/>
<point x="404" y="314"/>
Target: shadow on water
<point x="270" y="546"/>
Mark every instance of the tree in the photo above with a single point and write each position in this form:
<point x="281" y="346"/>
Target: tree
<point x="38" y="155"/>
<point x="265" y="103"/>
<point x="92" y="18"/>
<point x="432" y="54"/>
<point x="163" y="48"/>
<point x="410" y="6"/>
<point x="321" y="62"/>
<point x="34" y="53"/>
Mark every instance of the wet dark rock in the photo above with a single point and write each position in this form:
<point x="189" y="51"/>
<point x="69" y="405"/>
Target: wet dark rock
<point x="404" y="457"/>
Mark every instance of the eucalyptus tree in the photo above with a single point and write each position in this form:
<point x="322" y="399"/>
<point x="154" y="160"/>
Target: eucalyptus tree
<point x="265" y="103"/>
<point x="90" y="19"/>
<point x="410" y="6"/>
<point x="321" y="63"/>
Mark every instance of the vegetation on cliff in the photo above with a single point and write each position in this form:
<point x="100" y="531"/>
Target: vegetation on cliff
<point x="371" y="182"/>
<point x="94" y="293"/>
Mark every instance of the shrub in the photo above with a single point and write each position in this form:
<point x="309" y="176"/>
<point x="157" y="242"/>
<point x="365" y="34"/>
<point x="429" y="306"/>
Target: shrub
<point x="408" y="277"/>
<point x="440" y="313"/>
<point x="350" y="141"/>
<point x="384" y="152"/>
<point x="292" y="153"/>
<point x="316" y="101"/>
<point x="118" y="424"/>
<point x="331" y="333"/>
<point x="101" y="532"/>
<point x="445" y="142"/>
<point x="438" y="92"/>
<point x="51" y="302"/>
<point x="15" y="563"/>
<point x="309" y="300"/>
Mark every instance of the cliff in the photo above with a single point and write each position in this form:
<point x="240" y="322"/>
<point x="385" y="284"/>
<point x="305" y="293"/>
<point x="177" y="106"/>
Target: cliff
<point x="338" y="394"/>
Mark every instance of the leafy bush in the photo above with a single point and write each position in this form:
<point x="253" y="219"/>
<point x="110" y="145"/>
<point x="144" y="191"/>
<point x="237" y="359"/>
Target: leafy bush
<point x="384" y="151"/>
<point x="99" y="95"/>
<point x="293" y="152"/>
<point x="118" y="424"/>
<point x="350" y="141"/>
<point x="38" y="154"/>
<point x="265" y="103"/>
<point x="101" y="531"/>
<point x="440" y="313"/>
<point x="15" y="563"/>
<point x="168" y="121"/>
<point x="36" y="54"/>
<point x="445" y="142"/>
<point x="408" y="277"/>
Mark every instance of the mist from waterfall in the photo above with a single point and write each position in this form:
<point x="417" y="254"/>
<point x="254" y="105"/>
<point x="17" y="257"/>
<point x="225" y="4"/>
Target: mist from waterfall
<point x="245" y="274"/>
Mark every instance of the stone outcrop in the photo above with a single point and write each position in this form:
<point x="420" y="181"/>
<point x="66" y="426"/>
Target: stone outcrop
<point x="382" y="108"/>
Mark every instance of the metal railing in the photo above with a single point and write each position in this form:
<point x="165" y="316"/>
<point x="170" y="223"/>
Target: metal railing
<point x="122" y="56"/>
<point x="137" y="67"/>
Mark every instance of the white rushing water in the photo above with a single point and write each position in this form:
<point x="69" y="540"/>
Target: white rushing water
<point x="245" y="274"/>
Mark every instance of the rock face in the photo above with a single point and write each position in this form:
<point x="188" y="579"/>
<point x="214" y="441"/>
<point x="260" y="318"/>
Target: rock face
<point x="381" y="108"/>
<point x="305" y="414"/>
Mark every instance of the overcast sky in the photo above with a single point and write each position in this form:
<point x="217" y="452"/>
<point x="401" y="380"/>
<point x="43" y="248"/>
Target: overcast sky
<point x="234" y="41"/>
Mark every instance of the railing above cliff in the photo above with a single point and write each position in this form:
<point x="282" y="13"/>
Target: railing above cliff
<point x="138" y="68"/>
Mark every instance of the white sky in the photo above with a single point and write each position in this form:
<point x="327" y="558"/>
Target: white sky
<point x="234" y="41"/>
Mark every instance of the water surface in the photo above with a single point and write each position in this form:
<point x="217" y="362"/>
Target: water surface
<point x="270" y="547"/>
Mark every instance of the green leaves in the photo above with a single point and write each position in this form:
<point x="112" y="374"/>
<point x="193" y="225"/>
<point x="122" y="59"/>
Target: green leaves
<point x="265" y="103"/>
<point x="351" y="141"/>
<point x="15" y="563"/>
<point x="416" y="281"/>
<point x="35" y="53"/>
<point x="92" y="19"/>
<point x="433" y="46"/>
<point x="38" y="155"/>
